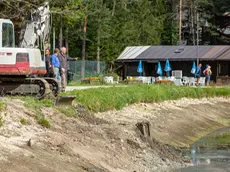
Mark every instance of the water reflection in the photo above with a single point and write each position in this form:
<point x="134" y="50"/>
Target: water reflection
<point x="208" y="158"/>
<point x="209" y="161"/>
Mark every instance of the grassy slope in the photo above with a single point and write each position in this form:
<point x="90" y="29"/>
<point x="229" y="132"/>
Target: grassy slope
<point x="104" y="99"/>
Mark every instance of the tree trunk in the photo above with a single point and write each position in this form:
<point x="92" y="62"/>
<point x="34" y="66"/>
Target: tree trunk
<point x="67" y="40"/>
<point x="192" y="23"/>
<point x="54" y="43"/>
<point x="98" y="54"/>
<point x="111" y="68"/>
<point x="114" y="7"/>
<point x="83" y="48"/>
<point x="60" y="32"/>
<point x="99" y="37"/>
<point x="98" y="48"/>
<point x="180" y="21"/>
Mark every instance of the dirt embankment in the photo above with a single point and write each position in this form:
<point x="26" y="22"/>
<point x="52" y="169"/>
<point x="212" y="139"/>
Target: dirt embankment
<point x="137" y="138"/>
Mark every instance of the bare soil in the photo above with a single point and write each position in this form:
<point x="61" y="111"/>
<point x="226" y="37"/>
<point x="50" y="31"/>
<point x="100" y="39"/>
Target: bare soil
<point x="109" y="141"/>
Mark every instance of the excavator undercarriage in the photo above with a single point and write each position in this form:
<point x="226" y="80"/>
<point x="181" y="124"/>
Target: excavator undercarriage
<point x="37" y="87"/>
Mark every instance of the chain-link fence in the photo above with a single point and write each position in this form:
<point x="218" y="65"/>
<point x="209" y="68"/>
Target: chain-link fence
<point x="90" y="69"/>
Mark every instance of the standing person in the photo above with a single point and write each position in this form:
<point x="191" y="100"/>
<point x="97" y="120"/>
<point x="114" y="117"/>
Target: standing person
<point x="207" y="72"/>
<point x="198" y="74"/>
<point x="49" y="70"/>
<point x="64" y="65"/>
<point x="56" y="64"/>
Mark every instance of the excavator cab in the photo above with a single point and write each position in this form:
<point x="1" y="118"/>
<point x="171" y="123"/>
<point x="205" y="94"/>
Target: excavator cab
<point x="7" y="34"/>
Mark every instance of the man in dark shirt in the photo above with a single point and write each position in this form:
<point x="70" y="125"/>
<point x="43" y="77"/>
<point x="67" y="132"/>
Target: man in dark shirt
<point x="64" y="65"/>
<point x="49" y="71"/>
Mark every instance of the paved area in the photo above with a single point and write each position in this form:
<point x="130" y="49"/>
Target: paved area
<point x="71" y="88"/>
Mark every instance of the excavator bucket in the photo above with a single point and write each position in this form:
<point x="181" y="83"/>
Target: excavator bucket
<point x="64" y="100"/>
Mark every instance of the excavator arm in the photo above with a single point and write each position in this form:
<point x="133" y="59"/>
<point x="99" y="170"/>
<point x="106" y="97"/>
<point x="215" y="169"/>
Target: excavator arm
<point x="36" y="34"/>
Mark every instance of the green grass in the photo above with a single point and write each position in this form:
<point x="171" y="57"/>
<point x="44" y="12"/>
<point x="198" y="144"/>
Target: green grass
<point x="221" y="139"/>
<point x="1" y="121"/>
<point x="42" y="121"/>
<point x="104" y="99"/>
<point x="24" y="121"/>
<point x="69" y="111"/>
<point x="2" y="108"/>
<point x="2" y="105"/>
<point x="36" y="105"/>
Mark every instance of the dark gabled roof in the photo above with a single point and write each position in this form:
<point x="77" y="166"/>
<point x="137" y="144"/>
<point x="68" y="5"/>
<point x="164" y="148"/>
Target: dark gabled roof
<point x="169" y="52"/>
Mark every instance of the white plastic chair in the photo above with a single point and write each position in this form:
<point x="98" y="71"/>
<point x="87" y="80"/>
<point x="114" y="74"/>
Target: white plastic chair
<point x="192" y="81"/>
<point x="146" y="80"/>
<point x="158" y="78"/>
<point x="178" y="82"/>
<point x="153" y="80"/>
<point x="202" y="81"/>
<point x="185" y="80"/>
<point x="108" y="79"/>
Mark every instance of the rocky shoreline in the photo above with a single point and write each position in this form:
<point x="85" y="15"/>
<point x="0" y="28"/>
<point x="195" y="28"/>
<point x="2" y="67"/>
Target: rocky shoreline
<point x="141" y="137"/>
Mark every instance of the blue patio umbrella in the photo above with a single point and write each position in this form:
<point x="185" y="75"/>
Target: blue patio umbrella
<point x="139" y="68"/>
<point x="167" y="67"/>
<point x="159" y="69"/>
<point x="193" y="70"/>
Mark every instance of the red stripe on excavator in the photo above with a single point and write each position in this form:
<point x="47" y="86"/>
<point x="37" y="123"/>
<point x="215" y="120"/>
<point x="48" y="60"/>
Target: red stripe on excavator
<point x="20" y="68"/>
<point x="38" y="71"/>
<point x="6" y="53"/>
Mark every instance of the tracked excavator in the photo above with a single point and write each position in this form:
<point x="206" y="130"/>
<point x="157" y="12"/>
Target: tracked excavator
<point x="22" y="69"/>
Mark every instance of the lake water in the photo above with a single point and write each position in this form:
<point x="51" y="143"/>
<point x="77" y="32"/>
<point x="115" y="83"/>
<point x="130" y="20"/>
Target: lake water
<point x="208" y="158"/>
<point x="209" y="161"/>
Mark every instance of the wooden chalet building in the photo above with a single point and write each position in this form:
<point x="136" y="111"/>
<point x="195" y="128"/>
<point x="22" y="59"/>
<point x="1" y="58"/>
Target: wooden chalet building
<point x="181" y="58"/>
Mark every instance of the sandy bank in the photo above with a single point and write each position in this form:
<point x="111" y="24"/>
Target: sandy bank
<point x="108" y="141"/>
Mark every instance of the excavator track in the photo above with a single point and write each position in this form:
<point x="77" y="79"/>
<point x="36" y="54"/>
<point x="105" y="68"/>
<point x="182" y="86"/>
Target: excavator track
<point x="36" y="87"/>
<point x="55" y="85"/>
